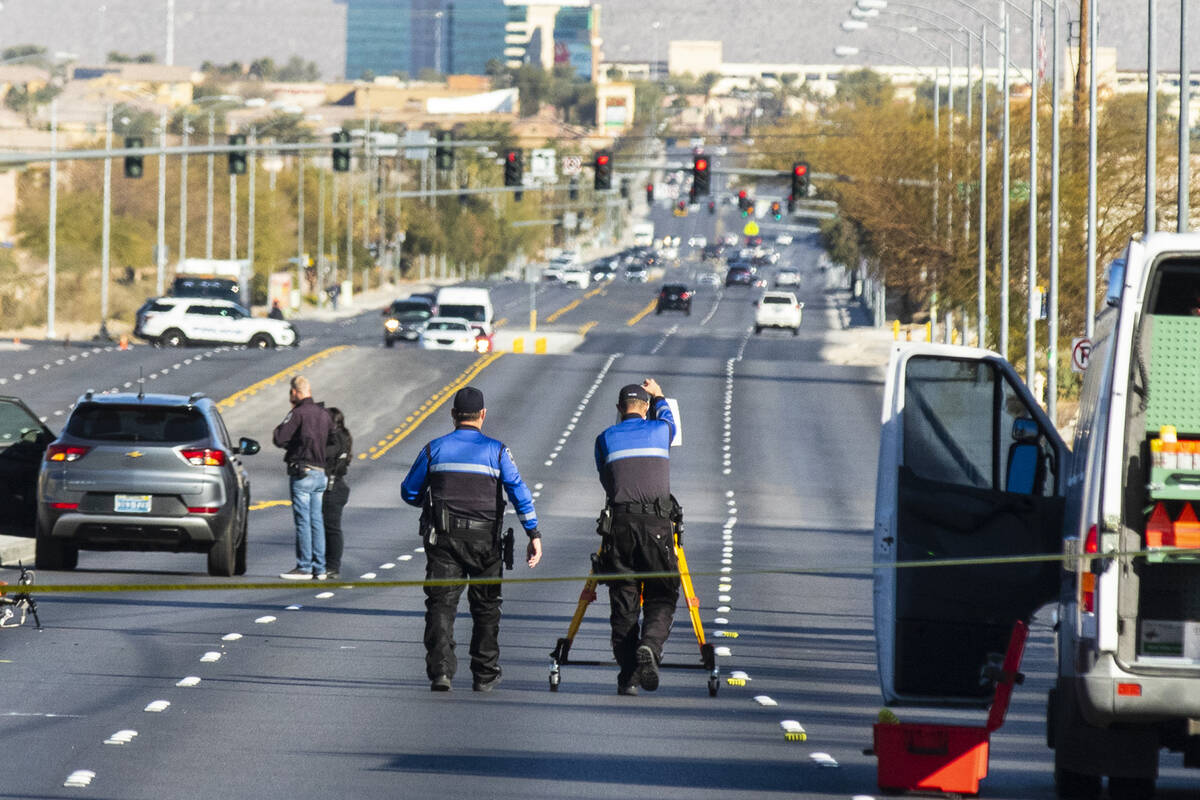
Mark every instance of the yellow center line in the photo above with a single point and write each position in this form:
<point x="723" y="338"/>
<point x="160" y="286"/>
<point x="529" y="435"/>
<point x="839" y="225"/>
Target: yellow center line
<point x="636" y="318"/>
<point x="269" y="504"/>
<point x="587" y="326"/>
<point x="594" y="292"/>
<point x="561" y="311"/>
<point x="436" y="401"/>
<point x="500" y="322"/>
<point x="253" y="389"/>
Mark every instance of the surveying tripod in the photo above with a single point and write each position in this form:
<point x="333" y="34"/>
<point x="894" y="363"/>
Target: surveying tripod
<point x="708" y="658"/>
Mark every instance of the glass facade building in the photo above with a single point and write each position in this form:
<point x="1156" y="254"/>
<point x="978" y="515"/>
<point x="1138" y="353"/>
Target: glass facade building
<point x="385" y="37"/>
<point x="379" y="36"/>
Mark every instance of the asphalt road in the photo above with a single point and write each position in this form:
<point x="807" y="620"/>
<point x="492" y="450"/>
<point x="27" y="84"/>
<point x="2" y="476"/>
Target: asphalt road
<point x="318" y="690"/>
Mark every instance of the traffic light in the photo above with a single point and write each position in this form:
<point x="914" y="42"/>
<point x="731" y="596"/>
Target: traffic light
<point x="712" y="207"/>
<point x="649" y="194"/>
<point x="776" y="210"/>
<point x="742" y="199"/>
<point x="514" y="168"/>
<point x="700" y="176"/>
<point x="791" y="204"/>
<point x="624" y="188"/>
<point x="800" y="179"/>
<point x="573" y="190"/>
<point x="443" y="154"/>
<point x="603" y="171"/>
<point x="341" y="155"/>
<point x="237" y="158"/>
<point x="133" y="164"/>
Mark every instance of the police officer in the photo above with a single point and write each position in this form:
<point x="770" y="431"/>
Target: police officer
<point x="459" y="480"/>
<point x="632" y="458"/>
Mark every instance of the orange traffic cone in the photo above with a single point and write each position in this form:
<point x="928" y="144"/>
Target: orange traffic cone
<point x="124" y="342"/>
<point x="1160" y="531"/>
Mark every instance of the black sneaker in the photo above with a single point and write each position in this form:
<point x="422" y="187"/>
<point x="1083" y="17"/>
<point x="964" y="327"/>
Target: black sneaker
<point x="485" y="686"/>
<point x="333" y="575"/>
<point x="627" y="689"/>
<point x="296" y="574"/>
<point x="647" y="668"/>
<point x="440" y="684"/>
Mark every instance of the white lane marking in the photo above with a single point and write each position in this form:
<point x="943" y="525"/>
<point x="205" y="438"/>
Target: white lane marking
<point x="739" y="675"/>
<point x="823" y="759"/>
<point x="764" y="700"/>
<point x="720" y="621"/>
<point x="726" y="569"/>
<point x="418" y="549"/>
<point x="724" y="652"/>
<point x="791" y="726"/>
<point x="231" y="637"/>
<point x="727" y="561"/>
<point x="293" y="607"/>
<point x="265" y="620"/>
<point x="210" y="657"/>
<point x="722" y="609"/>
<point x="121" y="737"/>
<point x="724" y="598"/>
<point x="368" y="576"/>
<point x="388" y="565"/>
<point x="158" y="706"/>
<point x="79" y="779"/>
<point x="324" y="595"/>
<point x="405" y="557"/>
<point x="190" y="680"/>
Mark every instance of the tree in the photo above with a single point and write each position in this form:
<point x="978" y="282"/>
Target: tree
<point x="30" y="53"/>
<point x="865" y="87"/>
<point x="264" y="69"/>
<point x="298" y="70"/>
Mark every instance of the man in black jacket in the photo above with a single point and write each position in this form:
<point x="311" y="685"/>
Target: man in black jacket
<point x="303" y="434"/>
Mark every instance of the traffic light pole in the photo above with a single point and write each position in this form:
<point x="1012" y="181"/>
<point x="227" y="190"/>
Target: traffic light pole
<point x="208" y="224"/>
<point x="301" y="262"/>
<point x="106" y="224"/>
<point x="250" y="208"/>
<point x="232" y="217"/>
<point x="160" y="256"/>
<point x="51" y="264"/>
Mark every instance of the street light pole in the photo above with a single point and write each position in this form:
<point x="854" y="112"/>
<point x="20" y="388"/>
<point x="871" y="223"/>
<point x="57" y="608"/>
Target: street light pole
<point x="1052" y="302"/>
<point x="983" y="159"/>
<point x="160" y="256"/>
<point x="52" y="244"/>
<point x="183" y="195"/>
<point x="105" y="223"/>
<point x="1031" y="308"/>
<point x="1005" y="189"/>
<point x="1151" y="222"/>
<point x="250" y="205"/>
<point x="1089" y="322"/>
<point x="1185" y="119"/>
<point x="301" y="263"/>
<point x="232" y="216"/>
<point x="208" y="225"/>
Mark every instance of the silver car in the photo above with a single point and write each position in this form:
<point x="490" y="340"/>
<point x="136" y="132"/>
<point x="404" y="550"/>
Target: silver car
<point x="144" y="472"/>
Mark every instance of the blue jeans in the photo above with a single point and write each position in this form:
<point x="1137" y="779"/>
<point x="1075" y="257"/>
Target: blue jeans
<point x="310" y="526"/>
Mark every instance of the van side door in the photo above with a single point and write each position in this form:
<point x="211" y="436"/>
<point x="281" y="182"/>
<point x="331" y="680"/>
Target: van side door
<point x="970" y="469"/>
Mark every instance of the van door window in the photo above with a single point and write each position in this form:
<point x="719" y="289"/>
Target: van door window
<point x="943" y="440"/>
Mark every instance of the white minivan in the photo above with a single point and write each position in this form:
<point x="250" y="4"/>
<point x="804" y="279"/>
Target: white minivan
<point x="970" y="468"/>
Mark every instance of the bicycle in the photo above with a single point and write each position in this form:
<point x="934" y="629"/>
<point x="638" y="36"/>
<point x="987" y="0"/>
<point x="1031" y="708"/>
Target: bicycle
<point x="16" y="607"/>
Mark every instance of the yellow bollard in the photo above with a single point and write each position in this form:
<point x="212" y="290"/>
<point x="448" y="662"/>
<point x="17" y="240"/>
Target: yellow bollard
<point x="539" y="345"/>
<point x="518" y="345"/>
<point x="929" y="331"/>
<point x="895" y="330"/>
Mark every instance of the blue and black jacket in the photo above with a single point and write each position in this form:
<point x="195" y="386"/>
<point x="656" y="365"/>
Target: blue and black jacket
<point x="633" y="457"/>
<point x="464" y="470"/>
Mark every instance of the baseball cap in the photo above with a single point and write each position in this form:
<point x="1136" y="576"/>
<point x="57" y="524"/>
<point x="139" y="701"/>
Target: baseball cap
<point x="468" y="399"/>
<point x="633" y="391"/>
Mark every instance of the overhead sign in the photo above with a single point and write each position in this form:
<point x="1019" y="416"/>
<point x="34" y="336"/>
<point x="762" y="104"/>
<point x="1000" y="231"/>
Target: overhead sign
<point x="751" y="228"/>
<point x="1081" y="352"/>
<point x="541" y="164"/>
<point x="571" y="165"/>
<point x="417" y="138"/>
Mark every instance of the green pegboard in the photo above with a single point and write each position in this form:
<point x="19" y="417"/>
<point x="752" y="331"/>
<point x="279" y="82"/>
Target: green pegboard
<point x="1174" y="374"/>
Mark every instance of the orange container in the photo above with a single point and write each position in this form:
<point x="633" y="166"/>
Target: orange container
<point x="1187" y="528"/>
<point x="1160" y="531"/>
<point x="943" y="758"/>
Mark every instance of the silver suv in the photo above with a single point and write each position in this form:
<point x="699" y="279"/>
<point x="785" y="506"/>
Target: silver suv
<point x="144" y="472"/>
<point x="177" y="321"/>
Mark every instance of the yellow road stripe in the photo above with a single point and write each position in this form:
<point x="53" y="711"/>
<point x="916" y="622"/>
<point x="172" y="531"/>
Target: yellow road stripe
<point x="253" y="389"/>
<point x="587" y="326"/>
<point x="636" y="318"/>
<point x="269" y="504"/>
<point x="499" y="323"/>
<point x="561" y="311"/>
<point x="594" y="292"/>
<point x="433" y="404"/>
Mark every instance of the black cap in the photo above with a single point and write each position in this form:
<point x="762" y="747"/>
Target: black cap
<point x="633" y="391"/>
<point x="468" y="400"/>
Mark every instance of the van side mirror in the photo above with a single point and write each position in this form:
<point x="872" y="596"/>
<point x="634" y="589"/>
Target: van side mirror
<point x="246" y="446"/>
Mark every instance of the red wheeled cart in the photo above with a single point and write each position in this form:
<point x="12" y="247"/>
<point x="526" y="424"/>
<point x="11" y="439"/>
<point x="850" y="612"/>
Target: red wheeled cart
<point x="947" y="758"/>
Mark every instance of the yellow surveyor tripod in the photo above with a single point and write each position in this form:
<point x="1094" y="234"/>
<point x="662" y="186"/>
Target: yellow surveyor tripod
<point x="708" y="657"/>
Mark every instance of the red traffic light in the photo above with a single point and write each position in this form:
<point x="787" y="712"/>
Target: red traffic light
<point x="602" y="159"/>
<point x="512" y="155"/>
<point x="649" y="187"/>
<point x="701" y="164"/>
<point x="742" y="194"/>
<point x="800" y="169"/>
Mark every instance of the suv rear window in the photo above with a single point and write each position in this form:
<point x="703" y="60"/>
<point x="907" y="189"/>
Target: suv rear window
<point x="777" y="299"/>
<point x="104" y="422"/>
<point x="158" y="305"/>
<point x="473" y="313"/>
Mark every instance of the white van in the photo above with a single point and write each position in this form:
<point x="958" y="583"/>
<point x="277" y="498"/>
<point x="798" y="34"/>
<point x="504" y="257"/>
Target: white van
<point x="971" y="468"/>
<point x="473" y="304"/>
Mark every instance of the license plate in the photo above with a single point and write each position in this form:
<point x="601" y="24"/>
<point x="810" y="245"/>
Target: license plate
<point x="132" y="503"/>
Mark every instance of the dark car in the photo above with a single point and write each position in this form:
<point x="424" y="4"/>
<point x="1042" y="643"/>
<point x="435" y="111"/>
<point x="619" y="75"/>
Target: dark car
<point x="219" y="288"/>
<point x="674" y="297"/>
<point x="23" y="438"/>
<point x="712" y="252"/>
<point x="403" y="319"/>
<point x="739" y="275"/>
<point x="144" y="472"/>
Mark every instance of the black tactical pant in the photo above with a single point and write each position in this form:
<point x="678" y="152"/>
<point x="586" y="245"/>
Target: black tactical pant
<point x="641" y="543"/>
<point x="473" y="554"/>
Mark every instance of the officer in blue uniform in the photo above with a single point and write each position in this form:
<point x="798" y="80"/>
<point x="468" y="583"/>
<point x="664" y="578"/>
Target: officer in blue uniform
<point x="459" y="481"/>
<point x="632" y="458"/>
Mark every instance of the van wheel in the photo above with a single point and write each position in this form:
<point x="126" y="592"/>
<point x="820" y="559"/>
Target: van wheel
<point x="1075" y="785"/>
<point x="173" y="338"/>
<point x="261" y="341"/>
<point x="1130" y="788"/>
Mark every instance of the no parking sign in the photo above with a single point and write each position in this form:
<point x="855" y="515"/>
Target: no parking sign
<point x="1081" y="351"/>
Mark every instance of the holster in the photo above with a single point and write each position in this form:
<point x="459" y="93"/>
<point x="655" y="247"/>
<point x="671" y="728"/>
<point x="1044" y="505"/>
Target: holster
<point x="605" y="521"/>
<point x="676" y="517"/>
<point x="508" y="549"/>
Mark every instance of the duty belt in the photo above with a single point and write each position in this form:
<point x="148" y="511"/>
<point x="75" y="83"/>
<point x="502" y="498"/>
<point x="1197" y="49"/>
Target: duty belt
<point x="652" y="509"/>
<point x="463" y="525"/>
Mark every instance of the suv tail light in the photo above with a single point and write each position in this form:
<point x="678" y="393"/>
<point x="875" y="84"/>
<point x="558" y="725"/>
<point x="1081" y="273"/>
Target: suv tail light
<point x="66" y="452"/>
<point x="204" y="457"/>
